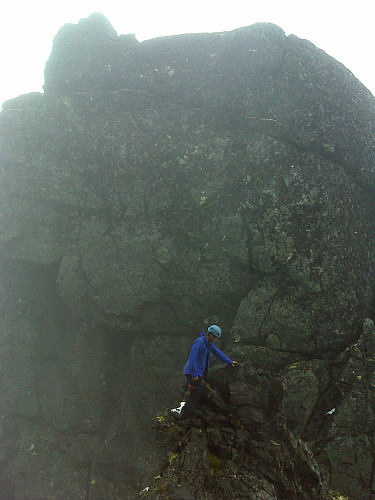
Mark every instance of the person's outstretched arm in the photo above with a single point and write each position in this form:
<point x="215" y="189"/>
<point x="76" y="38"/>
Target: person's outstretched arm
<point x="223" y="357"/>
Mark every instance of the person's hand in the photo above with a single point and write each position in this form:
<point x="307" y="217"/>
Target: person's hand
<point x="234" y="363"/>
<point x="195" y="379"/>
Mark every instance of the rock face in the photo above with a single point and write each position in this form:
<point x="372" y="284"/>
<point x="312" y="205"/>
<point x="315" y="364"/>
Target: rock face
<point x="156" y="187"/>
<point x="239" y="446"/>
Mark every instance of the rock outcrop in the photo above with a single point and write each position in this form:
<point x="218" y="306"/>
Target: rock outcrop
<point x="238" y="447"/>
<point x="158" y="186"/>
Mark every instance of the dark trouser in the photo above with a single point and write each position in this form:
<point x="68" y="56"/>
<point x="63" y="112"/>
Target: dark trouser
<point x="193" y="395"/>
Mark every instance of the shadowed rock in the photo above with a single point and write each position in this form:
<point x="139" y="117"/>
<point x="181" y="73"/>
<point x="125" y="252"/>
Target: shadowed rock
<point x="155" y="187"/>
<point x="239" y="446"/>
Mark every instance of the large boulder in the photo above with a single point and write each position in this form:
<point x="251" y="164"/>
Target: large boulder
<point x="156" y="187"/>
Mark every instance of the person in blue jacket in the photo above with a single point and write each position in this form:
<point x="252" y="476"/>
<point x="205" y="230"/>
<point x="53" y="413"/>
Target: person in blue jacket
<point x="196" y="367"/>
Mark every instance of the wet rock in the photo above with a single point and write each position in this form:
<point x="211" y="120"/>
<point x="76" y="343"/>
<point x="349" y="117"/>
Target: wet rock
<point x="301" y="395"/>
<point x="156" y="187"/>
<point x="238" y="446"/>
<point x="350" y="448"/>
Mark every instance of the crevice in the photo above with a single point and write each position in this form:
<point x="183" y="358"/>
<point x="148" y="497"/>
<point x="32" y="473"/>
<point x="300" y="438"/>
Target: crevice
<point x="88" y="479"/>
<point x="267" y="315"/>
<point x="331" y="157"/>
<point x="372" y="477"/>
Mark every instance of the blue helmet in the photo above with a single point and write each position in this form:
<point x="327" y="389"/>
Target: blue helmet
<point x="215" y="330"/>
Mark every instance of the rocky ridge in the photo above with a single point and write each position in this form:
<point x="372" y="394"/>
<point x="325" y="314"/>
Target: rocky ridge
<point x="155" y="187"/>
<point x="238" y="446"/>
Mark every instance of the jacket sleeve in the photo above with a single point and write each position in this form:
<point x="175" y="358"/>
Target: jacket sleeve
<point x="194" y="355"/>
<point x="219" y="354"/>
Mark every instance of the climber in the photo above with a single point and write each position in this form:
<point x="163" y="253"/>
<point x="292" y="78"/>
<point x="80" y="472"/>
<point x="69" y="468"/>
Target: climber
<point x="196" y="367"/>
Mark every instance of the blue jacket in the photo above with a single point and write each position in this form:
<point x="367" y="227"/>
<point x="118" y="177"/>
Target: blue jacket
<point x="200" y="355"/>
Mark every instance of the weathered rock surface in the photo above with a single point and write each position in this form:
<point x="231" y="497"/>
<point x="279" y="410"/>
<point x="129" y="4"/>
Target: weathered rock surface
<point x="239" y="447"/>
<point x="155" y="187"/>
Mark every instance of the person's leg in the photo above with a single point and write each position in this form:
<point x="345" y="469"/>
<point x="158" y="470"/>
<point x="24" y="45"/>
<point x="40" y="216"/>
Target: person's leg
<point x="193" y="395"/>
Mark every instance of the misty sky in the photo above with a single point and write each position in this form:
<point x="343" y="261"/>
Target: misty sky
<point x="344" y="30"/>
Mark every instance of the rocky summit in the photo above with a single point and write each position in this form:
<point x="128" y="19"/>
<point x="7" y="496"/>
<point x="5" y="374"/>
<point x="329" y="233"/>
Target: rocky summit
<point x="155" y="188"/>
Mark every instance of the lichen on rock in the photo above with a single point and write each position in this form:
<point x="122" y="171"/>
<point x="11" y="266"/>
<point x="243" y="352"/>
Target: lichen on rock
<point x="157" y="186"/>
<point x="238" y="446"/>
